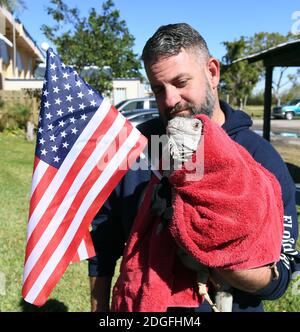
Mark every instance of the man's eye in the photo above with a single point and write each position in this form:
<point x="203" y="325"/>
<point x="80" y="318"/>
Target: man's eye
<point x="181" y="84"/>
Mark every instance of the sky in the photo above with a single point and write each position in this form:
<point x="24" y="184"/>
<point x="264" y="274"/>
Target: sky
<point x="216" y="20"/>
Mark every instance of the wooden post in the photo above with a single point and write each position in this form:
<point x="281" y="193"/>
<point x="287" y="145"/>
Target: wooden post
<point x="267" y="103"/>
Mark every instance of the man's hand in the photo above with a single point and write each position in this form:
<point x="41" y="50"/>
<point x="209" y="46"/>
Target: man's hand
<point x="250" y="281"/>
<point x="100" y="293"/>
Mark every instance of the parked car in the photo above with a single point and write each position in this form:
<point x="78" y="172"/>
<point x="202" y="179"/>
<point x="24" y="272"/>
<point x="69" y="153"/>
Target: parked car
<point x="137" y="117"/>
<point x="287" y="111"/>
<point x="135" y="104"/>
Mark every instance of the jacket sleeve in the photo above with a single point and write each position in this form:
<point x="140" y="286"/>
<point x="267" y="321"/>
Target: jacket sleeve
<point x="290" y="259"/>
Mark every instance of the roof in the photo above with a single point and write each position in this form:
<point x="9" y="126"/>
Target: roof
<point x="283" y="55"/>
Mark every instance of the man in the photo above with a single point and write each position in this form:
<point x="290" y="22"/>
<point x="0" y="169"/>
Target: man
<point x="184" y="78"/>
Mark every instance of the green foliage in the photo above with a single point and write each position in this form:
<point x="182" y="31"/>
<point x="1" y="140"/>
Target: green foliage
<point x="100" y="41"/>
<point x="13" y="5"/>
<point x="14" y="117"/>
<point x="1" y="103"/>
<point x="239" y="78"/>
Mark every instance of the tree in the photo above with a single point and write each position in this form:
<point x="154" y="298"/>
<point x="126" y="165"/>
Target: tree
<point x="100" y="42"/>
<point x="237" y="79"/>
<point x="13" y="5"/>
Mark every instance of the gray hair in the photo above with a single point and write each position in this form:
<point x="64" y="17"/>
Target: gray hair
<point x="170" y="39"/>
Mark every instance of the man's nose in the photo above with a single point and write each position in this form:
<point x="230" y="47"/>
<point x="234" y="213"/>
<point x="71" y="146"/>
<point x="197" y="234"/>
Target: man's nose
<point x="172" y="97"/>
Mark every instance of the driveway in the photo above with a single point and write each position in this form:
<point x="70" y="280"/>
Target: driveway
<point x="279" y="126"/>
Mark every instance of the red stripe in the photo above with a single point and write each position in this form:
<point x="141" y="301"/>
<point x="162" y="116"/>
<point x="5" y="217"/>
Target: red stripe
<point x="76" y="258"/>
<point x="91" y="212"/>
<point x="89" y="245"/>
<point x="60" y="232"/>
<point x="41" y="188"/>
<point x="69" y="179"/>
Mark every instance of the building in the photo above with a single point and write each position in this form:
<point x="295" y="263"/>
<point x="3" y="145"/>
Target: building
<point x="19" y="55"/>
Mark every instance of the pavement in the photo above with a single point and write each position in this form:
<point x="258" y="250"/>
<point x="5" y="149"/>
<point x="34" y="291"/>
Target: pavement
<point x="278" y="126"/>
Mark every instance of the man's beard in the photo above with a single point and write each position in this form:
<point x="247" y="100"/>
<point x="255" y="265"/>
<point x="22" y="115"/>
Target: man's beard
<point x="207" y="107"/>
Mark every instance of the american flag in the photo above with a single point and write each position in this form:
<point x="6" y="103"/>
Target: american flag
<point x="84" y="146"/>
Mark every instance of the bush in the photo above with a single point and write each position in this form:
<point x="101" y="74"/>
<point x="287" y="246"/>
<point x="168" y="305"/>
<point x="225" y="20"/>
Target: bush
<point x="14" y="117"/>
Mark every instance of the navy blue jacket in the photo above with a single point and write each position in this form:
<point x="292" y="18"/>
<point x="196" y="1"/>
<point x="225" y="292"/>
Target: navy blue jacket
<point x="112" y="224"/>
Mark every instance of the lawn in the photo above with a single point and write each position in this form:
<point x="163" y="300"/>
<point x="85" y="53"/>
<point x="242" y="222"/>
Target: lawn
<point x="72" y="292"/>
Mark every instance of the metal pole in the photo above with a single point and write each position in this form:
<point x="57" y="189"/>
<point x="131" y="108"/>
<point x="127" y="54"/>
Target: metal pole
<point x="14" y="46"/>
<point x="267" y="103"/>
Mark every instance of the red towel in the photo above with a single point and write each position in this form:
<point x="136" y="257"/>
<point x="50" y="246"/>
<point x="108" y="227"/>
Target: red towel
<point x="231" y="218"/>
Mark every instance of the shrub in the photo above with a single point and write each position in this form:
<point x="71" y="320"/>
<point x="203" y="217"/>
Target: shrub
<point x="14" y="117"/>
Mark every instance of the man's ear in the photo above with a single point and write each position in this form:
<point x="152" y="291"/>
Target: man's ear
<point x="213" y="66"/>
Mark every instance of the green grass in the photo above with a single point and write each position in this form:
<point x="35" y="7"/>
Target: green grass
<point x="72" y="292"/>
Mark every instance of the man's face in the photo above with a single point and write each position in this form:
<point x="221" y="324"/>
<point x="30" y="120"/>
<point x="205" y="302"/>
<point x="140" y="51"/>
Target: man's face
<point x="181" y="87"/>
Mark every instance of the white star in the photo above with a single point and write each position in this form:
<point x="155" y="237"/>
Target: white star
<point x="69" y="98"/>
<point x="71" y="109"/>
<point x="57" y="101"/>
<point x="61" y="123"/>
<point x="72" y="120"/>
<point x="40" y="118"/>
<point x="63" y="134"/>
<point x="56" y="159"/>
<point x="54" y="148"/>
<point x="74" y="131"/>
<point x="42" y="141"/>
<point x="93" y="103"/>
<point x="47" y="104"/>
<point x="91" y="92"/>
<point x="66" y="75"/>
<point x="54" y="78"/>
<point x="41" y="130"/>
<point x="52" y="138"/>
<point x="53" y="66"/>
<point x="83" y="117"/>
<point x="45" y="93"/>
<point x="50" y="126"/>
<point x="63" y="65"/>
<point x="82" y="106"/>
<point x="60" y="112"/>
<point x="44" y="152"/>
<point x="45" y="81"/>
<point x="65" y="145"/>
<point x="67" y="86"/>
<point x="49" y="116"/>
<point x="80" y="94"/>
<point x="78" y="83"/>
<point x="56" y="89"/>
<point x="52" y="55"/>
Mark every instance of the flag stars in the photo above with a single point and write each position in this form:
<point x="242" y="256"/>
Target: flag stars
<point x="78" y="83"/>
<point x="62" y="123"/>
<point x="72" y="120"/>
<point x="53" y="66"/>
<point x="83" y="117"/>
<point x="52" y="55"/>
<point x="80" y="94"/>
<point x="40" y="130"/>
<point x="67" y="86"/>
<point x="47" y="104"/>
<point x="63" y="65"/>
<point x="71" y="109"/>
<point x="58" y="101"/>
<point x="54" y="148"/>
<point x="82" y="106"/>
<point x="45" y="93"/>
<point x="93" y="103"/>
<point x="91" y="92"/>
<point x="52" y="138"/>
<point x="63" y="134"/>
<point x="50" y="126"/>
<point x="49" y="116"/>
<point x="54" y="78"/>
<point x="59" y="112"/>
<point x="69" y="98"/>
<point x="66" y="75"/>
<point x="44" y="152"/>
<point x="56" y="89"/>
<point x="56" y="159"/>
<point x="65" y="145"/>
<point x="74" y="130"/>
<point x="42" y="141"/>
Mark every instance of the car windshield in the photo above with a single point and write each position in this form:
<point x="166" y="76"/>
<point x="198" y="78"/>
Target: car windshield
<point x="294" y="102"/>
<point x="120" y="104"/>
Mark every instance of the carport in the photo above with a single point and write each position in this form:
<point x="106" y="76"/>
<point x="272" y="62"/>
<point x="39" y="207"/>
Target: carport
<point x="282" y="55"/>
